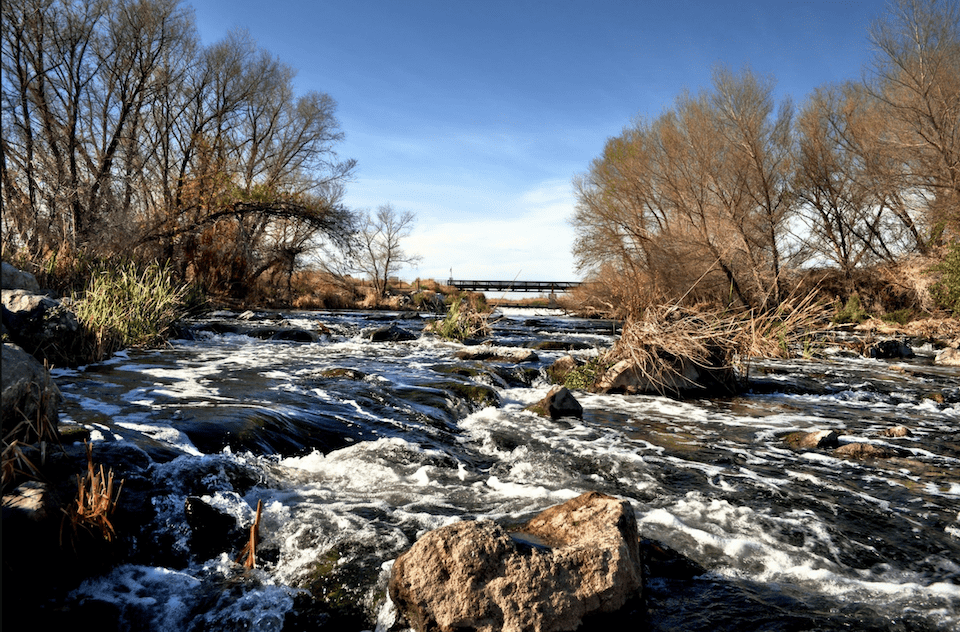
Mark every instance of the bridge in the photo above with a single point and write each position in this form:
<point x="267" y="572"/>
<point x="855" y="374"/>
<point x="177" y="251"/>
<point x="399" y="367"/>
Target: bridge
<point x="543" y="287"/>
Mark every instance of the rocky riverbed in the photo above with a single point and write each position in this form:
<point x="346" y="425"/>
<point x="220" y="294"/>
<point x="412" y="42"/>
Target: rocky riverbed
<point x="358" y="447"/>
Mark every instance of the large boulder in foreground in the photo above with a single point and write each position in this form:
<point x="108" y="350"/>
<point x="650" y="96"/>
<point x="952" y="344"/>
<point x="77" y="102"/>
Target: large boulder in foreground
<point x="571" y="560"/>
<point x="41" y="325"/>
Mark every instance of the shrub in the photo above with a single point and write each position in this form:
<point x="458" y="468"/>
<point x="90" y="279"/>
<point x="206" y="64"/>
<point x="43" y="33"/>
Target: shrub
<point x="851" y="312"/>
<point x="946" y="291"/>
<point x="463" y="320"/>
<point x="123" y="307"/>
<point x="899" y="317"/>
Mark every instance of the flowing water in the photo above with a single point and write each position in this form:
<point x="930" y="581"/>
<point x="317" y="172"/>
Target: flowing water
<point x="356" y="448"/>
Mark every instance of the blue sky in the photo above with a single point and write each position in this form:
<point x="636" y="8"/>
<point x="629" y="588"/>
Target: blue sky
<point x="476" y="116"/>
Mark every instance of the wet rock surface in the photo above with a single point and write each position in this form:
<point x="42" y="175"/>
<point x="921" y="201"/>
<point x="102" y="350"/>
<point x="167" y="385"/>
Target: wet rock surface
<point x="559" y="402"/>
<point x="567" y="562"/>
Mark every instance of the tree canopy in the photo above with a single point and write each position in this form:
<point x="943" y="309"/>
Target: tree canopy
<point x="718" y="196"/>
<point x="123" y="134"/>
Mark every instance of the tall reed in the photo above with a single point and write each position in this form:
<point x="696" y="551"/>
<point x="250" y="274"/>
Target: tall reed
<point x="130" y="307"/>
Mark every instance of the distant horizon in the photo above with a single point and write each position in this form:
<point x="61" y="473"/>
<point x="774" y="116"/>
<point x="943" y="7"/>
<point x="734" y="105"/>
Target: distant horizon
<point x="477" y="118"/>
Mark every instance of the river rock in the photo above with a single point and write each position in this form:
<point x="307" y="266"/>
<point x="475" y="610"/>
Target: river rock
<point x="41" y="325"/>
<point x="30" y="399"/>
<point x="569" y="561"/>
<point x="498" y="354"/>
<point x="948" y="357"/>
<point x="559" y="402"/>
<point x="390" y="333"/>
<point x="896" y="431"/>
<point x="888" y="349"/>
<point x="294" y="334"/>
<point x="863" y="451"/>
<point x="812" y="440"/>
<point x="14" y="279"/>
<point x="31" y="501"/>
<point x="676" y="377"/>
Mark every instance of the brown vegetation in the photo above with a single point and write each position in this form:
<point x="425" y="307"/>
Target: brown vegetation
<point x="730" y="199"/>
<point x="248" y="556"/>
<point x="95" y="503"/>
<point x="140" y="142"/>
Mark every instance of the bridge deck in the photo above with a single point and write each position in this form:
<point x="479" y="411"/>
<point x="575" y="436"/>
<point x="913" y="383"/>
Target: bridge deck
<point x="513" y="286"/>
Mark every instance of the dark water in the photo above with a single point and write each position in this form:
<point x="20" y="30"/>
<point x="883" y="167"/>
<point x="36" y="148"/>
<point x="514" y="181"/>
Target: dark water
<point x="356" y="448"/>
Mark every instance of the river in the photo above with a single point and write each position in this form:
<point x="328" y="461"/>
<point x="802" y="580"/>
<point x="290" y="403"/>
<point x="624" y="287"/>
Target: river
<point x="356" y="448"/>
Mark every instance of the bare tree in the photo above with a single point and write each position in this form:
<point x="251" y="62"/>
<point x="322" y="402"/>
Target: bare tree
<point x="379" y="253"/>
<point x="123" y="134"/>
<point x="696" y="203"/>
<point x="916" y="77"/>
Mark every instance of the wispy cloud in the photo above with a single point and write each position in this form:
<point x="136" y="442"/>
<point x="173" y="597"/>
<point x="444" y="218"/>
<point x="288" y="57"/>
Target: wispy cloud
<point x="530" y="239"/>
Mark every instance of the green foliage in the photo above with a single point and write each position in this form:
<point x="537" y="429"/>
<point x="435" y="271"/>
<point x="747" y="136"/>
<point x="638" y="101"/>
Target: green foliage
<point x="583" y="377"/>
<point x="851" y="312"/>
<point x="126" y="307"/>
<point x="946" y="291"/>
<point x="899" y="317"/>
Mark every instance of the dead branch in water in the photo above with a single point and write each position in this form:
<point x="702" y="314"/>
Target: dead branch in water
<point x="248" y="556"/>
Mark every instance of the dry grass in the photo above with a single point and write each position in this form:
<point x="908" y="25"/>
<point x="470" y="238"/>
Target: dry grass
<point x="38" y="428"/>
<point x="660" y="341"/>
<point x="467" y="317"/>
<point x="95" y="503"/>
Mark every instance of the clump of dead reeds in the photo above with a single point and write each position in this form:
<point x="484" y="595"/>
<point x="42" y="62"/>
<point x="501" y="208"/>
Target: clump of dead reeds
<point x="785" y="330"/>
<point x="95" y="503"/>
<point x="467" y="317"/>
<point x="661" y="341"/>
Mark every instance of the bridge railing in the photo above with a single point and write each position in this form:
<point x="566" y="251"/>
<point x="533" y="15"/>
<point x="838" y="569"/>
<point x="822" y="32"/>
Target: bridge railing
<point x="512" y="286"/>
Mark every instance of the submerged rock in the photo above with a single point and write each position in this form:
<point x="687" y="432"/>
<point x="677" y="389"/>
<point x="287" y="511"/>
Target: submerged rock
<point x="559" y="402"/>
<point x="572" y="560"/>
<point x="812" y="440"/>
<point x="864" y="451"/>
<point x="498" y="354"/>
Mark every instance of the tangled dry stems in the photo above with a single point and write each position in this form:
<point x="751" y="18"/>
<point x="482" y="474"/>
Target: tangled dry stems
<point x="660" y="340"/>
<point x="463" y="320"/>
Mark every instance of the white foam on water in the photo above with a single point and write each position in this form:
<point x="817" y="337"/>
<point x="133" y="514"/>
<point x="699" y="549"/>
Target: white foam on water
<point x="162" y="433"/>
<point x="159" y="594"/>
<point x="741" y="543"/>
